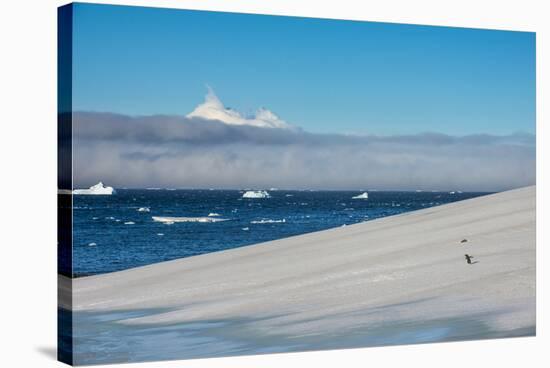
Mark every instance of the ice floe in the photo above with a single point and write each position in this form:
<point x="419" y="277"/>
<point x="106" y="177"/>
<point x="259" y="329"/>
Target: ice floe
<point x="267" y="221"/>
<point x="171" y="220"/>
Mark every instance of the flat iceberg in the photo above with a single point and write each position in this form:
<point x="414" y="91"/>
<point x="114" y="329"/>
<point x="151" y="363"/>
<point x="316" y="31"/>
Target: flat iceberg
<point x="268" y="221"/>
<point x="213" y="214"/>
<point x="144" y="209"/>
<point x="256" y="194"/>
<point x="171" y="220"/>
<point x="365" y="195"/>
<point x="98" y="189"/>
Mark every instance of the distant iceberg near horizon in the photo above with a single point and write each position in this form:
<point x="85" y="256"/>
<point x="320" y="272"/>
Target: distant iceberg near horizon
<point x="256" y="194"/>
<point x="365" y="195"/>
<point x="98" y="189"/>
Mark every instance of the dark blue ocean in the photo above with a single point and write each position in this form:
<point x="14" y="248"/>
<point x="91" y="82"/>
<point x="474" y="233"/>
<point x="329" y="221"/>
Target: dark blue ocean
<point x="110" y="233"/>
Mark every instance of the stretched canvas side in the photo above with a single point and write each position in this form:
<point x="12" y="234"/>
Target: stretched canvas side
<point x="64" y="184"/>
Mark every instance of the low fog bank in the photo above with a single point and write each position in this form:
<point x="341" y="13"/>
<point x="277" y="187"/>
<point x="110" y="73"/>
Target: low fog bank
<point x="193" y="152"/>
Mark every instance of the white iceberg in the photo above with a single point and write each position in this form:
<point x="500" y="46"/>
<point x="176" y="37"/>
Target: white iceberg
<point x="98" y="189"/>
<point x="213" y="214"/>
<point x="171" y="220"/>
<point x="144" y="209"/>
<point x="364" y="195"/>
<point x="256" y="194"/>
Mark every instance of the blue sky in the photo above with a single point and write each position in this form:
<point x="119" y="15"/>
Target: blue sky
<point x="322" y="75"/>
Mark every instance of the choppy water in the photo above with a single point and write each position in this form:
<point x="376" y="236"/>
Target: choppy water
<point x="112" y="234"/>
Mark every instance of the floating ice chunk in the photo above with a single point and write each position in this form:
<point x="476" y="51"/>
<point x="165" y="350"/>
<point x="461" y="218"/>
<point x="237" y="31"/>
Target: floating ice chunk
<point x="160" y="234"/>
<point x="246" y="228"/>
<point x="129" y="223"/>
<point x="171" y="220"/>
<point x="98" y="189"/>
<point x="256" y="194"/>
<point x="288" y="195"/>
<point x="267" y="221"/>
<point x="365" y="195"/>
<point x="92" y="244"/>
<point x="213" y="214"/>
<point x="144" y="209"/>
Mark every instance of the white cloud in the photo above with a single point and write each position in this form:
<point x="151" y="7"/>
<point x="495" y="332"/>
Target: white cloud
<point x="213" y="109"/>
